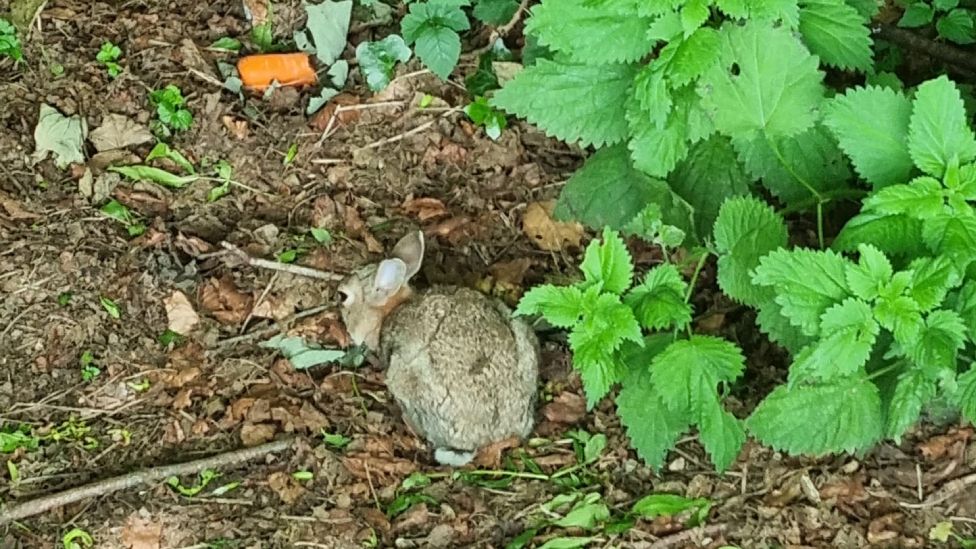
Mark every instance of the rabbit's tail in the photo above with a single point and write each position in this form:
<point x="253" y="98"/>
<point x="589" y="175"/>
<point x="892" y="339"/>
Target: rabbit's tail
<point x="453" y="458"/>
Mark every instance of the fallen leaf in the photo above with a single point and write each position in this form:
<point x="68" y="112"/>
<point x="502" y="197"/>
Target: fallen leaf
<point x="287" y="488"/>
<point x="446" y="228"/>
<point x="118" y="132"/>
<point x="254" y="434"/>
<point x="16" y="210"/>
<point x="192" y="246"/>
<point x="566" y="408"/>
<point x="179" y="313"/>
<point x="939" y="446"/>
<point x="238" y="128"/>
<point x="357" y="229"/>
<point x="222" y="299"/>
<point x="490" y="457"/>
<point x="547" y="233"/>
<point x="320" y="121"/>
<point x="425" y="208"/>
<point x="414" y="517"/>
<point x="510" y="273"/>
<point x="141" y="533"/>
<point x="256" y="12"/>
<point x="885" y="528"/>
<point x="61" y="135"/>
<point x="275" y="307"/>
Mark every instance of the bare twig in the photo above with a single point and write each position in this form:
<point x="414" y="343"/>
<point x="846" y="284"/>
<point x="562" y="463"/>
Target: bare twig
<point x="951" y="488"/>
<point x="272" y="329"/>
<point x="686" y="536"/>
<point x="944" y="52"/>
<point x="277" y="266"/>
<point x="410" y="132"/>
<point x="138" y="478"/>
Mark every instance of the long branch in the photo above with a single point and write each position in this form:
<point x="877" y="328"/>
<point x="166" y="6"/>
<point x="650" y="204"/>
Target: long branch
<point x="130" y="480"/>
<point x="910" y="40"/>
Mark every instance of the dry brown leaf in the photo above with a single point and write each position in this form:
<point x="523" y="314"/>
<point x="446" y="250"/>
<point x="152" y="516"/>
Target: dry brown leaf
<point x="446" y="228"/>
<point x="425" y="208"/>
<point x="274" y="307"/>
<point x="939" y="446"/>
<point x="566" y="408"/>
<point x="222" y="299"/>
<point x="16" y="210"/>
<point x="254" y="434"/>
<point x="180" y="315"/>
<point x="237" y="127"/>
<point x="256" y="11"/>
<point x="383" y="470"/>
<point x="320" y="121"/>
<point x="357" y="229"/>
<point x="141" y="533"/>
<point x="192" y="245"/>
<point x="287" y="488"/>
<point x="414" y="517"/>
<point x="885" y="528"/>
<point x="490" y="457"/>
<point x="547" y="233"/>
<point x="511" y="272"/>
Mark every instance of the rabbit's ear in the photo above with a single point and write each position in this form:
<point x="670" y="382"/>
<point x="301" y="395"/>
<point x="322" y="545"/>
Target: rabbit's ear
<point x="410" y="250"/>
<point x="391" y="275"/>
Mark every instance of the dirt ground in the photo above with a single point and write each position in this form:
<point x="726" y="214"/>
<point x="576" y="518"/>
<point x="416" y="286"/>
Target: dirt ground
<point x="391" y="166"/>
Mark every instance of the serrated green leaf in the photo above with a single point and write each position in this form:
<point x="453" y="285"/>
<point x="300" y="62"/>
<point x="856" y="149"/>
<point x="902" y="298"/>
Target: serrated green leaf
<point x="778" y="327"/>
<point x="872" y="270"/>
<point x="738" y="9"/>
<point x="609" y="192"/>
<point x="787" y="11"/>
<point x="709" y="175"/>
<point x="693" y="56"/>
<point x="867" y="8"/>
<point x="939" y="133"/>
<point x="913" y="391"/>
<point x="652" y="94"/>
<point x="607" y="264"/>
<point x="721" y="434"/>
<point x="656" y="151"/>
<point x="765" y="83"/>
<point x="790" y="166"/>
<point x="693" y="14"/>
<point x="922" y="198"/>
<point x="807" y="283"/>
<point x="917" y="14"/>
<point x="837" y="33"/>
<point x="377" y="60"/>
<point x="966" y="395"/>
<point x="560" y="305"/>
<point x="871" y="125"/>
<point x="666" y="505"/>
<point x="606" y="324"/>
<point x="894" y="234"/>
<point x="495" y="12"/>
<point x="900" y="315"/>
<point x="953" y="236"/>
<point x="439" y="48"/>
<point x="932" y="278"/>
<point x="957" y="26"/>
<point x="746" y="229"/>
<point x="659" y="301"/>
<point x="591" y="33"/>
<point x="572" y="102"/>
<point x="156" y="175"/>
<point x="938" y="342"/>
<point x="818" y="419"/>
<point x="687" y="373"/>
<point x="848" y="332"/>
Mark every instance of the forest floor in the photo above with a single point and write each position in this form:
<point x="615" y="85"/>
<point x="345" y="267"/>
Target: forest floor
<point x="77" y="294"/>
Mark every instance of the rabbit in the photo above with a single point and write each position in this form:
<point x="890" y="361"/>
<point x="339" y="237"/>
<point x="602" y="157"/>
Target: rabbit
<point x="463" y="369"/>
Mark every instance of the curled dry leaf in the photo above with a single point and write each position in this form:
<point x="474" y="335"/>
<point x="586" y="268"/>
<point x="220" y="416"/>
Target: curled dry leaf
<point x="939" y="446"/>
<point x="141" y="533"/>
<point x="238" y="128"/>
<point x="425" y="208"/>
<point x="192" y="246"/>
<point x="253" y="434"/>
<point x="16" y="210"/>
<point x="179" y="313"/>
<point x="222" y="299"/>
<point x="547" y="233"/>
<point x="565" y="408"/>
<point x="320" y="121"/>
<point x="118" y="132"/>
<point x="287" y="488"/>
<point x="357" y="229"/>
<point x="490" y="457"/>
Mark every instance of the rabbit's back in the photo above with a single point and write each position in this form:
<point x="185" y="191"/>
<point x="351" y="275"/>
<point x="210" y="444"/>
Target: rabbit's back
<point x="463" y="370"/>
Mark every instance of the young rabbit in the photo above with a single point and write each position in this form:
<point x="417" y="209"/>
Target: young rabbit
<point x="463" y="370"/>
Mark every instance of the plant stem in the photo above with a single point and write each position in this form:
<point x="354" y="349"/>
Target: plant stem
<point x="694" y="276"/>
<point x="820" y="237"/>
<point x="789" y="168"/>
<point x="883" y="371"/>
<point x="826" y="198"/>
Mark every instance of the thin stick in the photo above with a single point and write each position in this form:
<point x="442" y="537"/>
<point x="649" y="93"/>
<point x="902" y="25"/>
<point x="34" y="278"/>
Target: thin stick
<point x="406" y="134"/>
<point x="277" y="266"/>
<point x="271" y="329"/>
<point x="682" y="538"/>
<point x="138" y="478"/>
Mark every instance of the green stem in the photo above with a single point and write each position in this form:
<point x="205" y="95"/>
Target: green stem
<point x="789" y="168"/>
<point x="883" y="371"/>
<point x="820" y="237"/>
<point x="826" y="198"/>
<point x="694" y="276"/>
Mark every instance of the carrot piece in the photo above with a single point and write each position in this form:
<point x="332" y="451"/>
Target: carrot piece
<point x="289" y="69"/>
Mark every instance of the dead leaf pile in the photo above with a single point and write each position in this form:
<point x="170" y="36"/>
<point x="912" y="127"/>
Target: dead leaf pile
<point x="221" y="298"/>
<point x="545" y="232"/>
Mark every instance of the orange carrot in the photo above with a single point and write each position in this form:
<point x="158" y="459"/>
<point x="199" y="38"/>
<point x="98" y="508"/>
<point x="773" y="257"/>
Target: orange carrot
<point x="288" y="69"/>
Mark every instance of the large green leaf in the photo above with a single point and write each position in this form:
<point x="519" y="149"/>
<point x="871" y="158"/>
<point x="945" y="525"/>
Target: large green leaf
<point x="591" y="32"/>
<point x="939" y="132"/>
<point x="807" y="283"/>
<point x="746" y="230"/>
<point x="837" y="33"/>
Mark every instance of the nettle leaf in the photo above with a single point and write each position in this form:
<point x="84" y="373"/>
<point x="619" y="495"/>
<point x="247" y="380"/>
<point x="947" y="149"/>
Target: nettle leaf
<point x="787" y="11"/>
<point x="709" y="175"/>
<point x="917" y="14"/>
<point x="693" y="56"/>
<point x="495" y="12"/>
<point x="584" y="103"/>
<point x="867" y="8"/>
<point x="746" y="229"/>
<point x="913" y="391"/>
<point x="953" y="236"/>
<point x="966" y="395"/>
<point x="653" y="428"/>
<point x="871" y="125"/>
<point x="939" y="134"/>
<point x="432" y="27"/>
<point x="872" y="271"/>
<point x="606" y="324"/>
<point x="807" y="283"/>
<point x="965" y="305"/>
<point x="377" y="60"/>
<point x="693" y="14"/>
<point x="848" y="332"/>
<point x="932" y="278"/>
<point x="765" y="83"/>
<point x="687" y="373"/>
<point x="837" y="33"/>
<point x="846" y="413"/>
<point x="591" y="32"/>
<point x="771" y="321"/>
<point x="790" y="166"/>
<point x="957" y="26"/>
<point x="608" y="192"/>
<point x="900" y="315"/>
<point x="655" y="151"/>
<point x="922" y="198"/>
<point x="607" y="264"/>
<point x="659" y="301"/>
<point x="721" y="434"/>
<point x="898" y="234"/>
<point x="738" y="9"/>
<point x="560" y="305"/>
<point x="938" y="342"/>
<point x="653" y="95"/>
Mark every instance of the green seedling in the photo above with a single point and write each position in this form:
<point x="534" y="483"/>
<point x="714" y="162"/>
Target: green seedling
<point x="943" y="532"/>
<point x="322" y="236"/>
<point x="9" y="43"/>
<point x="302" y="476"/>
<point x="111" y="307"/>
<point x="227" y="44"/>
<point x="119" y="212"/>
<point x="169" y="337"/>
<point x="170" y="109"/>
<point x="76" y="538"/>
<point x="486" y="116"/>
<point x="64" y="298"/>
<point x="206" y="476"/>
<point x="14" y="438"/>
<point x="224" y="173"/>
<point x="291" y="154"/>
<point x="140" y="386"/>
<point x="408" y="496"/>
<point x="225" y="488"/>
<point x="162" y="150"/>
<point x="335" y="440"/>
<point x="107" y="56"/>
<point x="88" y="369"/>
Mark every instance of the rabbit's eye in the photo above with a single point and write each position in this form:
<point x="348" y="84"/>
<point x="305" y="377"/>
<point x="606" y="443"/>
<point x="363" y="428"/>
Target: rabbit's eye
<point x="344" y="298"/>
